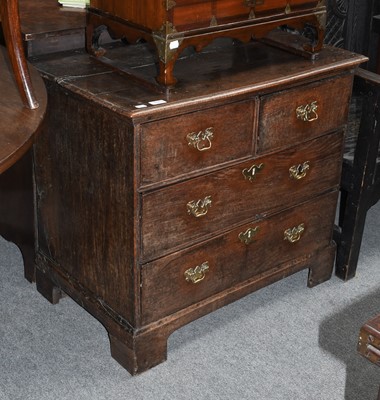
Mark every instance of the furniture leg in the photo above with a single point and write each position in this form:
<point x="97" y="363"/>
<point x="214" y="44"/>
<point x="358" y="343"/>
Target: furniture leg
<point x="47" y="288"/>
<point x="360" y="180"/>
<point x="322" y="267"/>
<point x="351" y="235"/>
<point x="145" y="351"/>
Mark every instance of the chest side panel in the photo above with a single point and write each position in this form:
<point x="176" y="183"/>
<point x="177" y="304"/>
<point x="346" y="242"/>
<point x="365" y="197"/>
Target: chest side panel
<point x="85" y="198"/>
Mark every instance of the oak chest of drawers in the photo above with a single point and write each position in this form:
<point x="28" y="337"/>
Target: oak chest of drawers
<point x="154" y="209"/>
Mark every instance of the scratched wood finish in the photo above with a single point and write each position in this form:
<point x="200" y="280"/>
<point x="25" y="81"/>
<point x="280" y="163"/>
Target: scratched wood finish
<point x="96" y="219"/>
<point x="232" y="261"/>
<point x="167" y="151"/>
<point x="278" y="112"/>
<point x="166" y="223"/>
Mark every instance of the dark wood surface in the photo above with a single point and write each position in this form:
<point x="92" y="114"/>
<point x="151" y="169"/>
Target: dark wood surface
<point x="167" y="225"/>
<point x="18" y="123"/>
<point x="49" y="28"/>
<point x="360" y="185"/>
<point x="18" y="127"/>
<point x="97" y="216"/>
<point x="376" y="29"/>
<point x="45" y="28"/>
<point x="10" y="23"/>
<point x="221" y="68"/>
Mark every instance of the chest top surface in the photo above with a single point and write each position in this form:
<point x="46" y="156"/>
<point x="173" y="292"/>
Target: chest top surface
<point x="223" y="71"/>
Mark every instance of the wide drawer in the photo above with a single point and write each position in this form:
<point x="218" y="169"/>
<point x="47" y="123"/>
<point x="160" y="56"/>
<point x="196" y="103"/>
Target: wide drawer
<point x="300" y="114"/>
<point x="190" y="211"/>
<point x="187" y="277"/>
<point x="189" y="14"/>
<point x="191" y="142"/>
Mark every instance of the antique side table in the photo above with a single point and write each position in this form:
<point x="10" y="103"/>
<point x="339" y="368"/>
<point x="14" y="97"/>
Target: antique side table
<point x="171" y="26"/>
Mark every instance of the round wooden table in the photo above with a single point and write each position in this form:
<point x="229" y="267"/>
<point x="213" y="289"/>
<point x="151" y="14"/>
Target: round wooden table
<point x="18" y="124"/>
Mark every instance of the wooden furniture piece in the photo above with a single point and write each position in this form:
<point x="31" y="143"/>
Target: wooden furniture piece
<point x="54" y="30"/>
<point x="171" y="26"/>
<point x="369" y="342"/>
<point x="155" y="209"/>
<point x="10" y="22"/>
<point x="376" y="29"/>
<point x="18" y="123"/>
<point x="360" y="186"/>
<point x="18" y="126"/>
<point x="49" y="28"/>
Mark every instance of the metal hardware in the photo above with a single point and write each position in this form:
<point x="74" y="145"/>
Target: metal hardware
<point x="299" y="171"/>
<point x="213" y="21"/>
<point x="167" y="41"/>
<point x="288" y="9"/>
<point x="199" y="208"/>
<point x="248" y="236"/>
<point x="201" y="140"/>
<point x="197" y="274"/>
<point x="169" y="4"/>
<point x="294" y="234"/>
<point x="308" y="112"/>
<point x="250" y="173"/>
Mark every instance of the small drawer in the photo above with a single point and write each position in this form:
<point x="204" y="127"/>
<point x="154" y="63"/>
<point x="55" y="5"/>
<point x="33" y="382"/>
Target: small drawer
<point x="191" y="142"/>
<point x="177" y="281"/>
<point x="190" y="211"/>
<point x="301" y="114"/>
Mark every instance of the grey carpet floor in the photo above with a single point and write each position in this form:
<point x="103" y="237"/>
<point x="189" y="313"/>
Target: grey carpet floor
<point x="283" y="342"/>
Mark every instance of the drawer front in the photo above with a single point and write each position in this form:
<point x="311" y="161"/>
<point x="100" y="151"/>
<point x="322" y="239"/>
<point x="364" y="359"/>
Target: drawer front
<point x="187" y="277"/>
<point x="301" y="114"/>
<point x="192" y="142"/>
<point x="189" y="14"/>
<point x="189" y="211"/>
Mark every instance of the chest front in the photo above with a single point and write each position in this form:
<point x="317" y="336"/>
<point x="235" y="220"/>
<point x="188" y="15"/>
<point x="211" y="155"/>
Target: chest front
<point x="152" y="215"/>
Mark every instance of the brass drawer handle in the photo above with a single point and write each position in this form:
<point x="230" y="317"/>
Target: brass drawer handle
<point x="201" y="140"/>
<point x="294" y="234"/>
<point x="299" y="171"/>
<point x="248" y="236"/>
<point x="308" y="112"/>
<point x="197" y="274"/>
<point x="250" y="173"/>
<point x="199" y="208"/>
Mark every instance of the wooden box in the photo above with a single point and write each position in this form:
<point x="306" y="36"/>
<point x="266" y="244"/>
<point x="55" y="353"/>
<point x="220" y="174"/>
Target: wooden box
<point x="171" y="26"/>
<point x="369" y="340"/>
